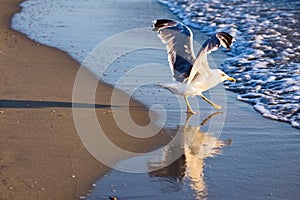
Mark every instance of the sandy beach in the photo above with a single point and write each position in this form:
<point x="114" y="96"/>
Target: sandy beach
<point x="41" y="154"/>
<point x="42" y="157"/>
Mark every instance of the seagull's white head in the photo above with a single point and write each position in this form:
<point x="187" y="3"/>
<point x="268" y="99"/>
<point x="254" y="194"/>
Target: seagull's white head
<point x="224" y="76"/>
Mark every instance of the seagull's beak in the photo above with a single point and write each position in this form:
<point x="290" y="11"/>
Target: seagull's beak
<point x="231" y="79"/>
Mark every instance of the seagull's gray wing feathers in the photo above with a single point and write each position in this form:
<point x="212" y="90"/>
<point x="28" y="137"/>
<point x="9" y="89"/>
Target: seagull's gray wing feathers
<point x="179" y="43"/>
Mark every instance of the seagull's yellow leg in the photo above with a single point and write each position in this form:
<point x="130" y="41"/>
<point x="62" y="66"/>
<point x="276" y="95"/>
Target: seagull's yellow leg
<point x="189" y="109"/>
<point x="218" y="107"/>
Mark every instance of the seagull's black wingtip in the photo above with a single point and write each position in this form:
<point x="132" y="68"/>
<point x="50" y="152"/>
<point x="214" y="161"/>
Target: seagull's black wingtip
<point x="225" y="39"/>
<point x="162" y="23"/>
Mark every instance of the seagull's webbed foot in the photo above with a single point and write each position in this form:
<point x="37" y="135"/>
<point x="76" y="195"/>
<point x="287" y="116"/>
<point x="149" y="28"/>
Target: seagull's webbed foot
<point x="190" y="111"/>
<point x="218" y="107"/>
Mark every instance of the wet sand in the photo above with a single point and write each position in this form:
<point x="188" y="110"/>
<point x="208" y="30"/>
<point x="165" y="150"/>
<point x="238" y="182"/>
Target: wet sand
<point x="41" y="155"/>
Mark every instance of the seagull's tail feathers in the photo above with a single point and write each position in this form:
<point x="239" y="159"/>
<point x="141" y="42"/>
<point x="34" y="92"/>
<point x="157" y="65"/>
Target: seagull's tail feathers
<point x="174" y="87"/>
<point x="163" y="23"/>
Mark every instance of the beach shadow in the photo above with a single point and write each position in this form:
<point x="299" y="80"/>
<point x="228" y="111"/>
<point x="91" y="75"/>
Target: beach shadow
<point x="47" y="104"/>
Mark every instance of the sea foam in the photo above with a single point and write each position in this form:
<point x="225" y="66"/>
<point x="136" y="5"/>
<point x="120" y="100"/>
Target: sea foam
<point x="264" y="59"/>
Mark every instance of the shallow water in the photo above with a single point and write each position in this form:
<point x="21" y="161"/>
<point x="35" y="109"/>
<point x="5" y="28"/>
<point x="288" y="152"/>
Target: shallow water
<point x="265" y="59"/>
<point x="183" y="179"/>
<point x="253" y="159"/>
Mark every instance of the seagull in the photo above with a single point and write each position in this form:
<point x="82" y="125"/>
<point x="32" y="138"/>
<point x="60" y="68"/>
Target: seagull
<point x="191" y="74"/>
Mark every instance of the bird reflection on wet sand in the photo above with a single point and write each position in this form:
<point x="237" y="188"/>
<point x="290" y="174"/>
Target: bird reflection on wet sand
<point x="183" y="179"/>
<point x="196" y="146"/>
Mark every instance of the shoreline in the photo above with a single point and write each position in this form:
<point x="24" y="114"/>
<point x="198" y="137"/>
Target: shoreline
<point x="41" y="154"/>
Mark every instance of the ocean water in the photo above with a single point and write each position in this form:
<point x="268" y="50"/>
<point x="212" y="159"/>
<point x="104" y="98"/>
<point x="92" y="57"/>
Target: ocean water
<point x="265" y="59"/>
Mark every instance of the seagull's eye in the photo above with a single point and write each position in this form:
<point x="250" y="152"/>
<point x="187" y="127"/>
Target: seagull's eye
<point x="223" y="75"/>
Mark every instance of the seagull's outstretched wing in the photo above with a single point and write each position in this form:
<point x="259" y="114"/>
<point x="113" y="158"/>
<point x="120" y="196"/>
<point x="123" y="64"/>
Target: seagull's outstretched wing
<point x="179" y="43"/>
<point x="212" y="44"/>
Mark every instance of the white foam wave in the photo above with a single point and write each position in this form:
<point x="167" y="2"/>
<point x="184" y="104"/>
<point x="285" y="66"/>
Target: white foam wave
<point x="265" y="59"/>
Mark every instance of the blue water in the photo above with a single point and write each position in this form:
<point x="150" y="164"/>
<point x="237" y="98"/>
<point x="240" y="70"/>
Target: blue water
<point x="265" y="59"/>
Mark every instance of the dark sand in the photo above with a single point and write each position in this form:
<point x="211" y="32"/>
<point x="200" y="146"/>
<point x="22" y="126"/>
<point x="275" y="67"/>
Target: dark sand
<point x="41" y="155"/>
